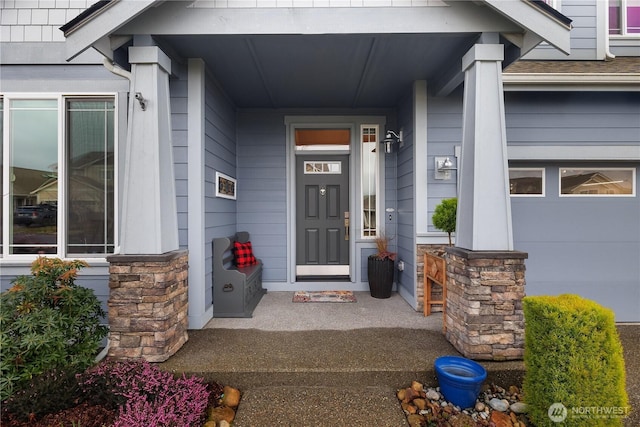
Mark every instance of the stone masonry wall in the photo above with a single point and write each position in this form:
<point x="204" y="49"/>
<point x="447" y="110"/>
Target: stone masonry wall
<point x="147" y="305"/>
<point x="484" y="303"/>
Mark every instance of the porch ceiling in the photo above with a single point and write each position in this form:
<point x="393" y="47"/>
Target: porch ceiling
<point x="322" y="71"/>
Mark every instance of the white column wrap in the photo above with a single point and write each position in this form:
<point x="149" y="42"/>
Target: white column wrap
<point x="484" y="207"/>
<point x="149" y="217"/>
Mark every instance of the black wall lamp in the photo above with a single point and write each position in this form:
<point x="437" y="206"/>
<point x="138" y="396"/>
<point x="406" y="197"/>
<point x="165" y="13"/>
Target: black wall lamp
<point x="390" y="139"/>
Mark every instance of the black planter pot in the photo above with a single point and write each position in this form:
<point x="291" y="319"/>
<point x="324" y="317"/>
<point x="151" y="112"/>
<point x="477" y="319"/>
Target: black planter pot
<point x="380" y="274"/>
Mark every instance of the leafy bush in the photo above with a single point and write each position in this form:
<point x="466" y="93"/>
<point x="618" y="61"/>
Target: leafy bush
<point x="47" y="322"/>
<point x="573" y="356"/>
<point x="444" y="216"/>
<point x="48" y="393"/>
<point x="146" y="395"/>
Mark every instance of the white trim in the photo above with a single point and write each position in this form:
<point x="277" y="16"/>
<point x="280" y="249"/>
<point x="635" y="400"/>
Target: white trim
<point x="316" y="286"/>
<point x="377" y="180"/>
<point x="60" y="97"/>
<point x="571" y="81"/>
<point x="601" y="152"/>
<point x="535" y="21"/>
<point x="322" y="270"/>
<point x="597" y="169"/>
<point x="200" y="310"/>
<point x="543" y="170"/>
<point x="220" y="176"/>
<point x="355" y="243"/>
<point x="420" y="152"/>
<point x="103" y="24"/>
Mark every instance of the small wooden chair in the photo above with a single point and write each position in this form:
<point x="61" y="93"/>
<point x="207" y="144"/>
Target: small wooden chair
<point x="435" y="271"/>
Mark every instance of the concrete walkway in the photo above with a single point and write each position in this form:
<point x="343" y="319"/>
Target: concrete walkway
<point x="336" y="364"/>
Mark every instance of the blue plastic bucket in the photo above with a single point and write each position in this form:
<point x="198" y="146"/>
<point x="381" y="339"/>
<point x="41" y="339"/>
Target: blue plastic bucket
<point x="460" y="379"/>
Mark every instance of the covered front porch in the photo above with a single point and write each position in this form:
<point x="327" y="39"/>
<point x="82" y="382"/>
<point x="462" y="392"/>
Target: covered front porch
<point x="223" y="91"/>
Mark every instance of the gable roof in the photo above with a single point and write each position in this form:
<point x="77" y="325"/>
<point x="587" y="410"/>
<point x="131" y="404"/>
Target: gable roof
<point x="94" y="26"/>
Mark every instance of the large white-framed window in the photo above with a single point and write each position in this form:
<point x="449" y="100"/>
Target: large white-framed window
<point x="526" y="182"/>
<point x="598" y="182"/>
<point x="624" y="17"/>
<point x="370" y="179"/>
<point x="59" y="175"/>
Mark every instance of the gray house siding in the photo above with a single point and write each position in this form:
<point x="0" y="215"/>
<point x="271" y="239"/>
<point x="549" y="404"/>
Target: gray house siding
<point x="584" y="245"/>
<point x="444" y="133"/>
<point x="220" y="156"/>
<point x="589" y="246"/>
<point x="573" y="118"/>
<point x="405" y="200"/>
<point x="178" y="94"/>
<point x="584" y="33"/>
<point x="262" y="207"/>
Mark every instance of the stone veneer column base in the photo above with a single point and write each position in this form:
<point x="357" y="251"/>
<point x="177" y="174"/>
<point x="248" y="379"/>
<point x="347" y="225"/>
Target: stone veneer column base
<point x="147" y="305"/>
<point x="484" y="303"/>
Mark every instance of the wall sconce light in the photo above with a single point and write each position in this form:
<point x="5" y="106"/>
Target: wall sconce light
<point x="390" y="139"/>
<point x="444" y="166"/>
<point x="141" y="100"/>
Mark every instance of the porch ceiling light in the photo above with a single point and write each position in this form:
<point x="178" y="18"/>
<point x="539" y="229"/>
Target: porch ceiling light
<point x="390" y="139"/>
<point x="444" y="166"/>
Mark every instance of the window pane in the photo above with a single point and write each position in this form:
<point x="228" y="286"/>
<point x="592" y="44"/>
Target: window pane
<point x="585" y="182"/>
<point x="633" y="16"/>
<point x="90" y="176"/>
<point x="369" y="141"/>
<point x="526" y="181"/>
<point x="34" y="176"/>
<point x="614" y="17"/>
<point x="1" y="174"/>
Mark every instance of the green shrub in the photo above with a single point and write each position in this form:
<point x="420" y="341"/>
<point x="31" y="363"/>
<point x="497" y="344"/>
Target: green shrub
<point x="48" y="393"/>
<point x="47" y="322"/>
<point x="573" y="356"/>
<point x="444" y="216"/>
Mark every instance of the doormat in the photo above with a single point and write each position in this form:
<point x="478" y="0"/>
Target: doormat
<point x="324" y="296"/>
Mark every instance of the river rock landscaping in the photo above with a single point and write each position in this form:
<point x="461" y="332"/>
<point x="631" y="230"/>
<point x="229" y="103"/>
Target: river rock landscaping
<point x="495" y="406"/>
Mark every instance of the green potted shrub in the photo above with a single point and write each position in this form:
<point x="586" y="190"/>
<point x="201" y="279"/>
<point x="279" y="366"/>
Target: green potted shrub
<point x="444" y="216"/>
<point x="381" y="267"/>
<point x="435" y="266"/>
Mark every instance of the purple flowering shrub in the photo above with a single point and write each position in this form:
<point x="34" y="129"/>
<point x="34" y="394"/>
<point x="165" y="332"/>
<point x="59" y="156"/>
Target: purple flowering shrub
<point x="146" y="395"/>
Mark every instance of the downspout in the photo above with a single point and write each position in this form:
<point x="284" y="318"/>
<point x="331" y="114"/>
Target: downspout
<point x="607" y="53"/>
<point x="109" y="65"/>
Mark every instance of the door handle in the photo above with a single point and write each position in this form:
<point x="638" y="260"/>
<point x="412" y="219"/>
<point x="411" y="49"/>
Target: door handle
<point x="346" y="225"/>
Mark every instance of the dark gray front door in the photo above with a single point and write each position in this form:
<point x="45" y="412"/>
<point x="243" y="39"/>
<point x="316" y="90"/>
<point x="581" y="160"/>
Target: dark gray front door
<point x="322" y="215"/>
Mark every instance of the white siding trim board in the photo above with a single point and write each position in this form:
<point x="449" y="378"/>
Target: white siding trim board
<point x="571" y="82"/>
<point x="602" y="152"/>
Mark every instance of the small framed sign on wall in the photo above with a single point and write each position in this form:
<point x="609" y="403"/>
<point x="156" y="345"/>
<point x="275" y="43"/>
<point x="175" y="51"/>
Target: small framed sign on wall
<point x="225" y="186"/>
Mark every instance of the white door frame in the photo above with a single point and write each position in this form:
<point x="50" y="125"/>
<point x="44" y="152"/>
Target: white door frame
<point x="328" y="122"/>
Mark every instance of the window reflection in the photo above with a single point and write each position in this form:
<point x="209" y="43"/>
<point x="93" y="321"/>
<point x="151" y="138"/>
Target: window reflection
<point x="90" y="176"/>
<point x="33" y="175"/>
<point x="369" y="137"/>
<point x="609" y="182"/>
<point x="523" y="181"/>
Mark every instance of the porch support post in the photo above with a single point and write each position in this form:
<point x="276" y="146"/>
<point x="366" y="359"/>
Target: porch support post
<point x="148" y="279"/>
<point x="485" y="276"/>
<point x="484" y="207"/>
<point x="149" y="214"/>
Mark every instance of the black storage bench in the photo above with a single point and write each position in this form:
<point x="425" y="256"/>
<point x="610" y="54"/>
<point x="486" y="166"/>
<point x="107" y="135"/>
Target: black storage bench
<point x="236" y="290"/>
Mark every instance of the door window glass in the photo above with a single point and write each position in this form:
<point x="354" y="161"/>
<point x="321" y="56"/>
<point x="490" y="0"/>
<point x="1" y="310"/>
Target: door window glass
<point x="369" y="170"/>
